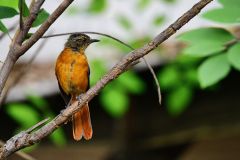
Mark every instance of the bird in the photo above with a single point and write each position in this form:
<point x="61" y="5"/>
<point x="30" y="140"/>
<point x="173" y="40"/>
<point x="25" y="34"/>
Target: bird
<point x="72" y="72"/>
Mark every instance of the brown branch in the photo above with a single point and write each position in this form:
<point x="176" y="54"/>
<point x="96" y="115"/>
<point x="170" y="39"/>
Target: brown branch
<point x="25" y="140"/>
<point x="17" y="48"/>
<point x="20" y="154"/>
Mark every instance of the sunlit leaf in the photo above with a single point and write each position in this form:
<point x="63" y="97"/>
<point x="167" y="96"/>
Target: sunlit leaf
<point x="9" y="3"/>
<point x="7" y="12"/>
<point x="97" y="6"/>
<point x="179" y="99"/>
<point x="114" y="101"/>
<point x="213" y="70"/>
<point x="23" y="114"/>
<point x="234" y="56"/>
<point x="203" y="49"/>
<point x="223" y="15"/>
<point x="42" y="16"/>
<point x="205" y="35"/>
<point x="230" y="3"/>
<point x="3" y="28"/>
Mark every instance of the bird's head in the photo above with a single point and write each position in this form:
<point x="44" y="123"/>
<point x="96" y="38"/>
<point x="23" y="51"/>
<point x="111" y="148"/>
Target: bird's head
<point x="79" y="41"/>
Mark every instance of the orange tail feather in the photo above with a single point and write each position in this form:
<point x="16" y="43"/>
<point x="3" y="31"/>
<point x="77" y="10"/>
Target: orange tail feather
<point x="82" y="124"/>
<point x="77" y="126"/>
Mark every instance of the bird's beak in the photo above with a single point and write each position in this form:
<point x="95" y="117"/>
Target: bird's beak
<point x="94" y="40"/>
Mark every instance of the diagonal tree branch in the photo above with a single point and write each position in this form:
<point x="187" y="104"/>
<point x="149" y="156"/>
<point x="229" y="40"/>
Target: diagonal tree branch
<point x="29" y="139"/>
<point x="23" y="155"/>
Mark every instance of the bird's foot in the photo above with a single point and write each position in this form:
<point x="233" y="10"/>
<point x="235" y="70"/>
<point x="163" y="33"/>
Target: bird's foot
<point x="79" y="98"/>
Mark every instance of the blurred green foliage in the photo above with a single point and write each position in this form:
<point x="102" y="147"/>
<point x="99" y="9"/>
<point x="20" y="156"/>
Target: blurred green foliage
<point x="30" y="113"/>
<point x="115" y="97"/>
<point x="228" y="13"/>
<point x="97" y="6"/>
<point x="215" y="51"/>
<point x="178" y="80"/>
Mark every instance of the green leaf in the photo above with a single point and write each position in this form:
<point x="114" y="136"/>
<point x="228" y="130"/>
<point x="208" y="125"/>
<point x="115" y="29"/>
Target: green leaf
<point x="38" y="102"/>
<point x="178" y="100"/>
<point x="97" y="6"/>
<point x="234" y="56"/>
<point x="204" y="49"/>
<point x="58" y="137"/>
<point x="124" y="22"/>
<point x="7" y="12"/>
<point x="23" y="114"/>
<point x="114" y="101"/>
<point x="223" y="15"/>
<point x="42" y="16"/>
<point x="205" y="35"/>
<point x="25" y="9"/>
<point x="213" y="70"/>
<point x="131" y="82"/>
<point x="169" y="77"/>
<point x="3" y="28"/>
<point x="9" y="3"/>
<point x="159" y="20"/>
<point x="230" y="3"/>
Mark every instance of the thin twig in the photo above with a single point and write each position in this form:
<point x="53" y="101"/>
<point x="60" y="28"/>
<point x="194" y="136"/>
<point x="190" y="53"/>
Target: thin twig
<point x="23" y="140"/>
<point x="20" y="153"/>
<point x="155" y="79"/>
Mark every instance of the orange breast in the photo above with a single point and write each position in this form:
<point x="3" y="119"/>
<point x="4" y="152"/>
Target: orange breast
<point x="72" y="72"/>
